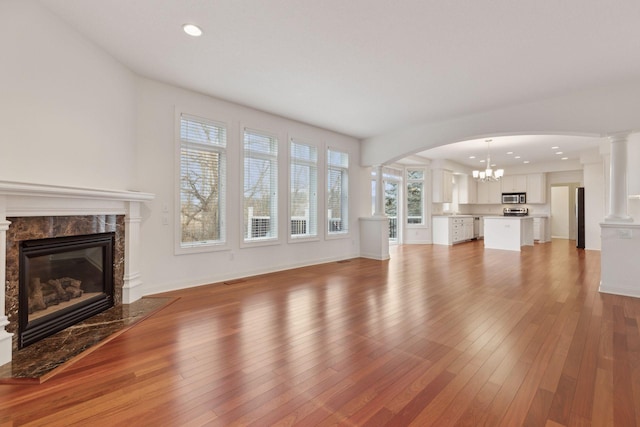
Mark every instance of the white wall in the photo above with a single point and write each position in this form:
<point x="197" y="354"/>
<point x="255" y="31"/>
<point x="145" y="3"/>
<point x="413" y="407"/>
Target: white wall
<point x="594" y="203"/>
<point x="633" y="165"/>
<point x="67" y="109"/>
<point x="560" y="212"/>
<point x="161" y="269"/>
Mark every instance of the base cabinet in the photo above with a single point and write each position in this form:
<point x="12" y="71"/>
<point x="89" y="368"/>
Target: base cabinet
<point x="541" y="230"/>
<point x="452" y="230"/>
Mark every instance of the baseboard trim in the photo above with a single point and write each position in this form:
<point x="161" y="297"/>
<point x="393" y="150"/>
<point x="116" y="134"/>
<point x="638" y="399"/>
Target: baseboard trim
<point x="619" y="290"/>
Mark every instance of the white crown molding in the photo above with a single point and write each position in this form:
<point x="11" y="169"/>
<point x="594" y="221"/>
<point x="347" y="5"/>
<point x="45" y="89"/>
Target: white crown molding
<point x="10" y="188"/>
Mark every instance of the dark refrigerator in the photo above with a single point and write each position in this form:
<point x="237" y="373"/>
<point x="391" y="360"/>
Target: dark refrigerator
<point x="580" y="217"/>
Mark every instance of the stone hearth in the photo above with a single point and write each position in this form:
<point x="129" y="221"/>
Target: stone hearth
<point x="32" y="211"/>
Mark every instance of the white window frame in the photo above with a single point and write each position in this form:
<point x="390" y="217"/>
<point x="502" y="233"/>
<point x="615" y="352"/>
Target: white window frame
<point x="312" y="214"/>
<point x="345" y="199"/>
<point x="274" y="238"/>
<point x="181" y="248"/>
<point x="424" y="187"/>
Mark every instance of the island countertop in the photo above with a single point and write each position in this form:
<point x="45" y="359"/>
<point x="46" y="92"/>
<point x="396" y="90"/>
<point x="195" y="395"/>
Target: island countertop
<point x="506" y="217"/>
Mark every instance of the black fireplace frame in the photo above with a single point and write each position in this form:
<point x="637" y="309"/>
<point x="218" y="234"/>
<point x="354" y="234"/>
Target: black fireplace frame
<point x="31" y="332"/>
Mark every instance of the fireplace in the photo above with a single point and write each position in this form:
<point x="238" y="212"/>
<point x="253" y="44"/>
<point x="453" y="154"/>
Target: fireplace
<point x="62" y="250"/>
<point x="30" y="212"/>
<point x="63" y="280"/>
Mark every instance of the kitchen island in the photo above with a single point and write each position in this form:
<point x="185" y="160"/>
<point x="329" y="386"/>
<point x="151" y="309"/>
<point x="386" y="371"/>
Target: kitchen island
<point x="508" y="232"/>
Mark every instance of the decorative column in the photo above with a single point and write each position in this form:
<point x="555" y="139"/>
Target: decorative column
<point x="618" y="179"/>
<point x="620" y="237"/>
<point x="5" y="337"/>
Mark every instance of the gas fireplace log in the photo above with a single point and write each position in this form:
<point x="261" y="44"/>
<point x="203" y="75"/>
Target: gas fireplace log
<point x="57" y="286"/>
<point x="52" y="292"/>
<point x="71" y="286"/>
<point x="36" y="298"/>
<point x="51" y="299"/>
<point x="73" y="292"/>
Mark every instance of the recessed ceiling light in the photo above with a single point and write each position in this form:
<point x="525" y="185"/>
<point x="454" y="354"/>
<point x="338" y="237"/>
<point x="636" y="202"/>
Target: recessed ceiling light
<point x="509" y="152"/>
<point x="472" y="157"/>
<point x="482" y="161"/>
<point x="526" y="161"/>
<point x="192" y="30"/>
<point x="565" y="158"/>
<point x="555" y="148"/>
<point x="559" y="152"/>
<point x="516" y="157"/>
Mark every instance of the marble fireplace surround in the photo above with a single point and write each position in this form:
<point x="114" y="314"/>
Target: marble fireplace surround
<point x="40" y="200"/>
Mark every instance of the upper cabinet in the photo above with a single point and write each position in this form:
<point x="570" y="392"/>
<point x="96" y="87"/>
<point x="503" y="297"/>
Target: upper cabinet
<point x="442" y="186"/>
<point x="514" y="184"/>
<point x="536" y="188"/>
<point x="490" y="192"/>
<point x="467" y="190"/>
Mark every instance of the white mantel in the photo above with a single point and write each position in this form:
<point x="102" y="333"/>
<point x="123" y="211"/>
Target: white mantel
<point x="19" y="199"/>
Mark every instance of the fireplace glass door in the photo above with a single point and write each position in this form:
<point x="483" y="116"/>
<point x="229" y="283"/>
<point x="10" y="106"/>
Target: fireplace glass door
<point x="63" y="281"/>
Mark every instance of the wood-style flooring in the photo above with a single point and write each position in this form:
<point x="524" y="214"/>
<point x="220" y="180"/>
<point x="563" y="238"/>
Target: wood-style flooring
<point x="438" y="335"/>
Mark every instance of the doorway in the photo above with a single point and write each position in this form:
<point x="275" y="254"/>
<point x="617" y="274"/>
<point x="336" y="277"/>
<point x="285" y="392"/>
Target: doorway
<point x="392" y="194"/>
<point x="563" y="205"/>
<point x="391" y="197"/>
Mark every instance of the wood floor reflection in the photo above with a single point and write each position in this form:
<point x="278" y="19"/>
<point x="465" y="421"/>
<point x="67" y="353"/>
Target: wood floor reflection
<point x="436" y="336"/>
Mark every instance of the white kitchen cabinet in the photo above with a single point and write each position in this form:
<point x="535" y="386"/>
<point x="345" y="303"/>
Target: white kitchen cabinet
<point x="514" y="184"/>
<point x="442" y="186"/>
<point x="449" y="230"/>
<point x="536" y="188"/>
<point x="467" y="228"/>
<point x="467" y="190"/>
<point x="490" y="192"/>
<point x="541" y="229"/>
<point x="495" y="192"/>
<point x="442" y="233"/>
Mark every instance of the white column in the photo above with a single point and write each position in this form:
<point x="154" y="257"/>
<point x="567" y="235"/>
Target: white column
<point x="379" y="205"/>
<point x="5" y="337"/>
<point x="618" y="179"/>
<point x="132" y="289"/>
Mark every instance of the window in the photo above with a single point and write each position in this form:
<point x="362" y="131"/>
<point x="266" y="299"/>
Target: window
<point x="415" y="196"/>
<point x="260" y="186"/>
<point x="391" y="186"/>
<point x="202" y="181"/>
<point x="304" y="190"/>
<point x="337" y="192"/>
<point x="391" y="195"/>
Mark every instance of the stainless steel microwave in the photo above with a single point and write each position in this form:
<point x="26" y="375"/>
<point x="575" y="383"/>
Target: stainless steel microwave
<point x="514" y="198"/>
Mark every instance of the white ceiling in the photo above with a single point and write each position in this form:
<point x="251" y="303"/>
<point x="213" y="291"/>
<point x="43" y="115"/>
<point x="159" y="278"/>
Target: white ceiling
<point x="506" y="151"/>
<point x="367" y="67"/>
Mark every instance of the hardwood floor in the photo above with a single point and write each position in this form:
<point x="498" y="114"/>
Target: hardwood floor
<point x="438" y="335"/>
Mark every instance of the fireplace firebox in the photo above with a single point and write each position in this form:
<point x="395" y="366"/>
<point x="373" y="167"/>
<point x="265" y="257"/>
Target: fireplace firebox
<point x="63" y="280"/>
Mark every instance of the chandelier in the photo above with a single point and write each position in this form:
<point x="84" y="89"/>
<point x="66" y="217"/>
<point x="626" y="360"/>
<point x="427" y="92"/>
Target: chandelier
<point x="488" y="175"/>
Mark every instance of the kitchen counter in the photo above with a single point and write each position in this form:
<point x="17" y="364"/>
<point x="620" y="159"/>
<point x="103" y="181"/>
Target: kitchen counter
<point x="508" y="232"/>
<point x="454" y="216"/>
